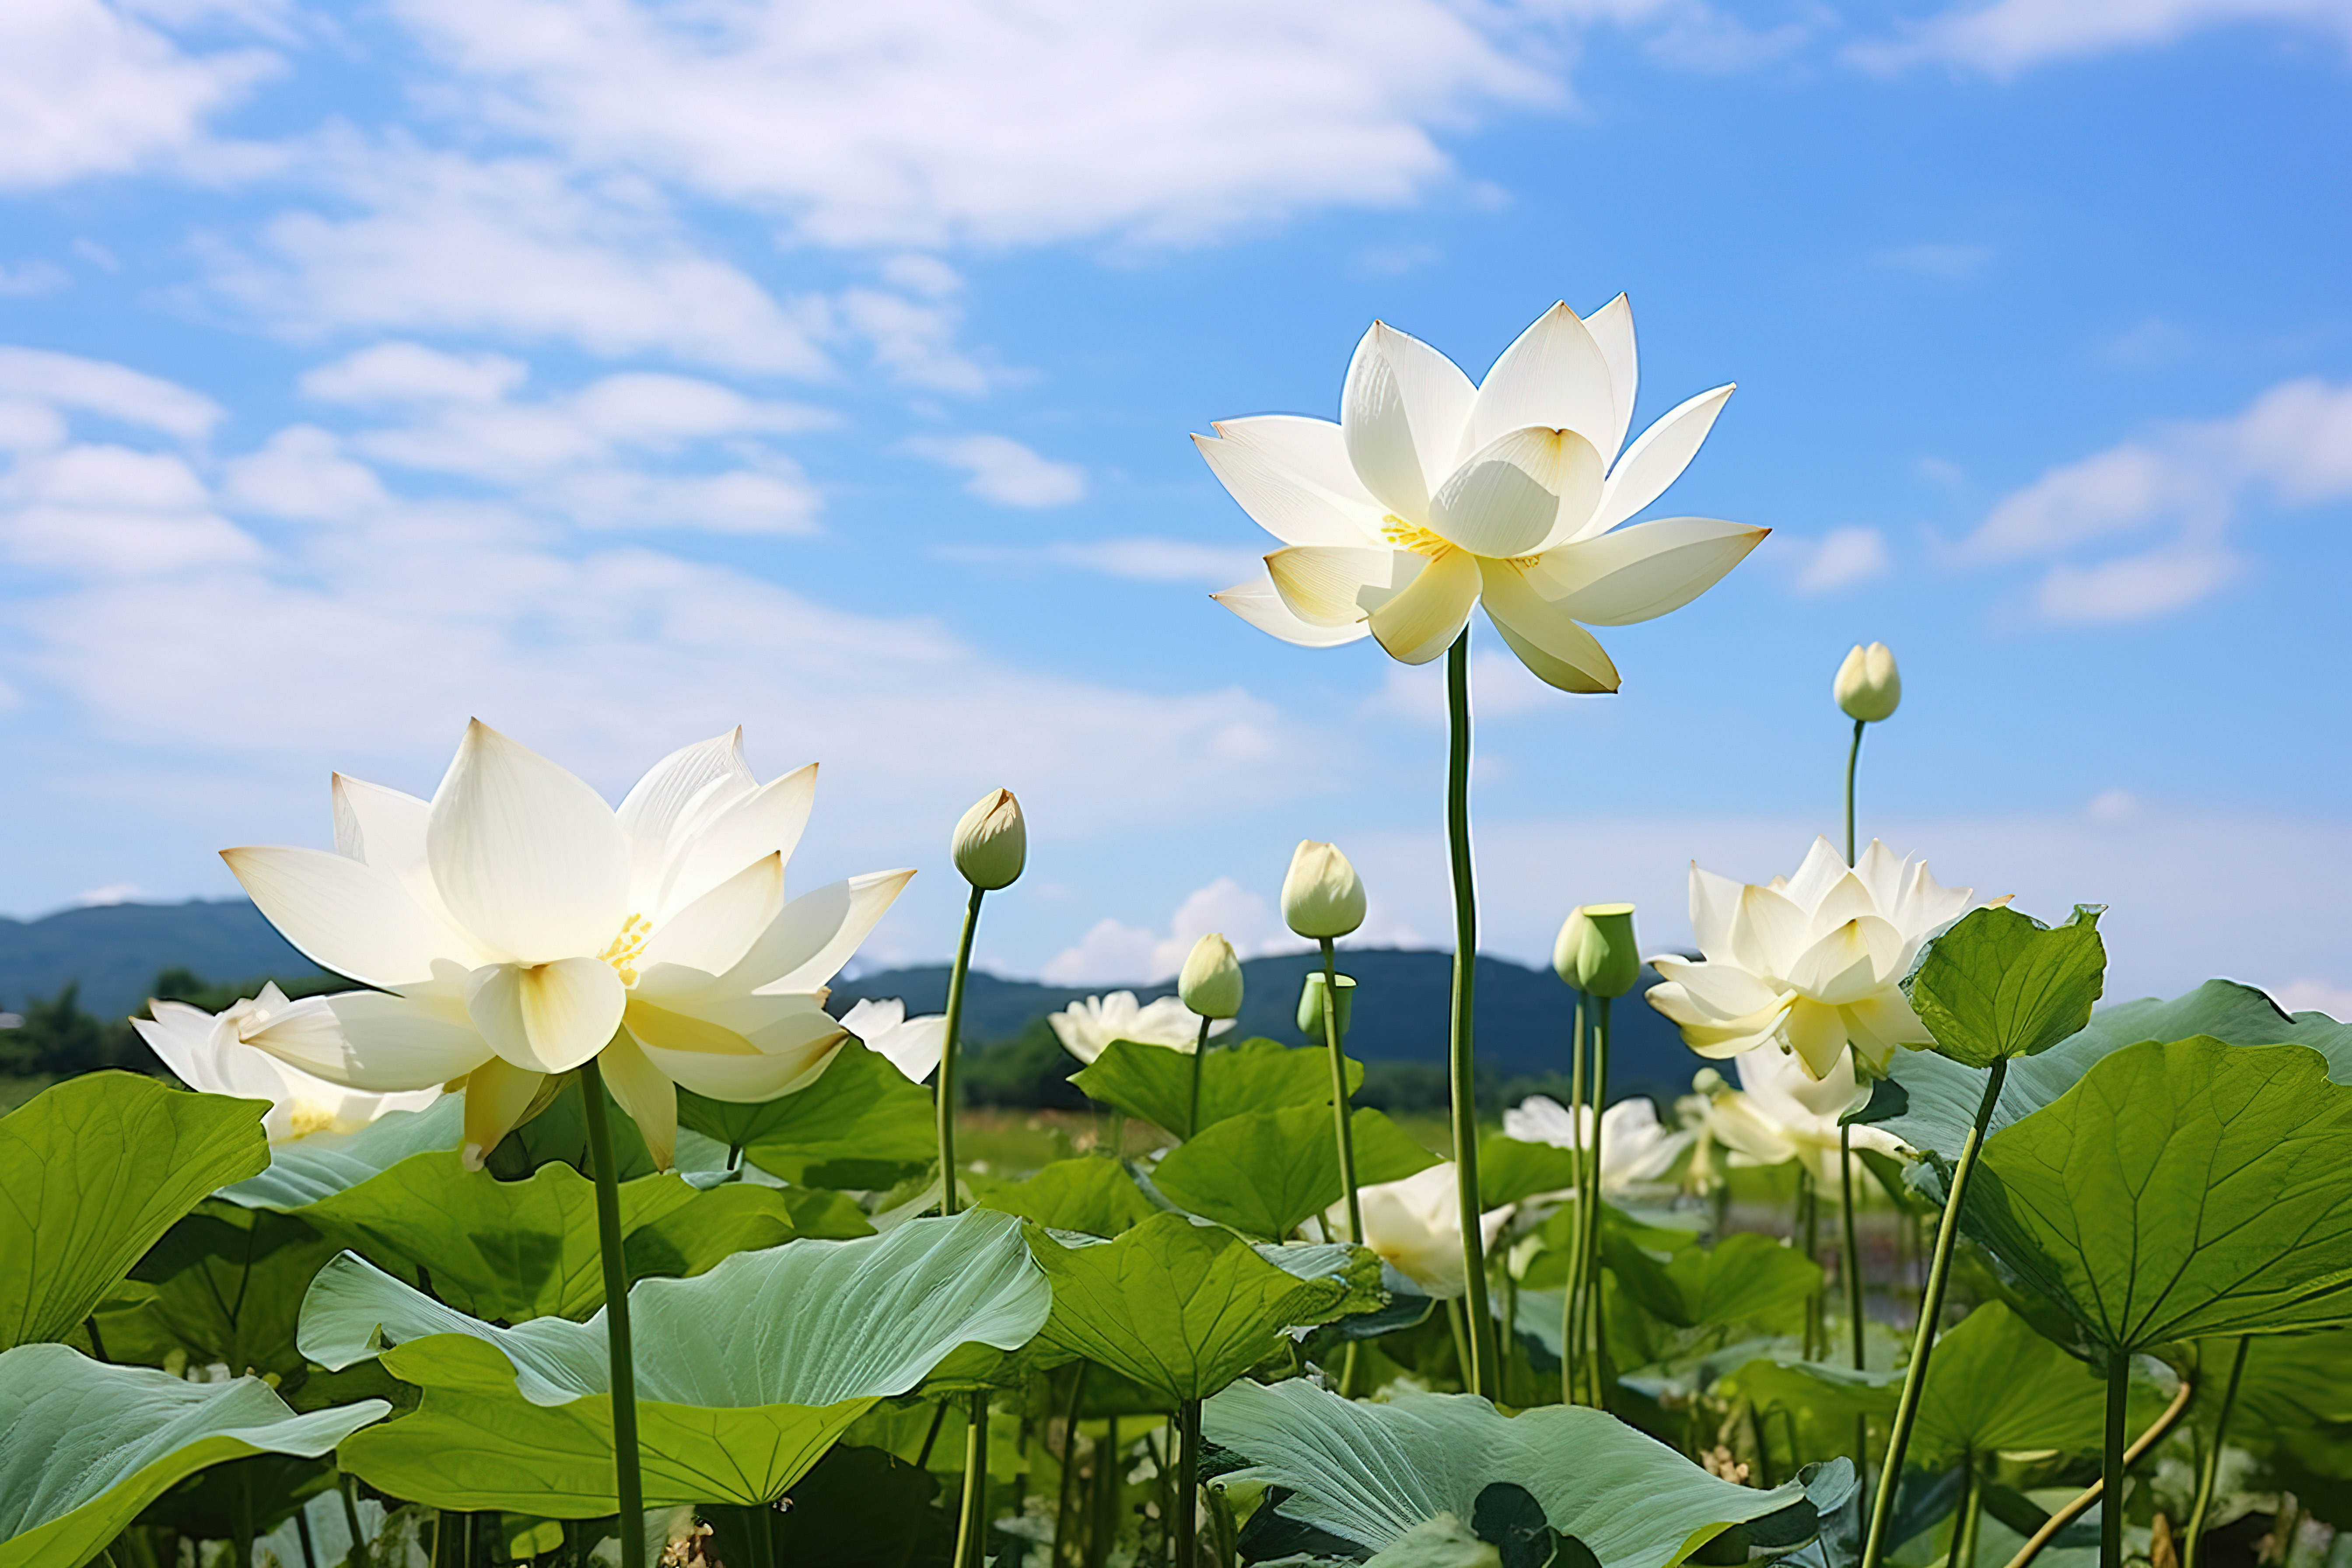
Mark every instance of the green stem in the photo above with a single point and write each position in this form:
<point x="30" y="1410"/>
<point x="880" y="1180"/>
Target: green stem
<point x="303" y="1534"/>
<point x="971" y="1529"/>
<point x="1199" y="1054"/>
<point x="1596" y="1353"/>
<point x="760" y="1524"/>
<point x="1461" y="1339"/>
<point x="2209" y="1477"/>
<point x="244" y="1525"/>
<point x="2111" y="1470"/>
<point x="1850" y="1265"/>
<point x="1188" y="1484"/>
<point x="1340" y="1107"/>
<point x="1572" y="1298"/>
<point x="628" y="1487"/>
<point x="1464" y="1073"/>
<point x="1808" y="1240"/>
<point x="1963" y="1553"/>
<point x="348" y="1485"/>
<point x="947" y="1202"/>
<point x="1931" y="1306"/>
<point x="1853" y="758"/>
<point x="1064" y="1529"/>
<point x="2080" y="1503"/>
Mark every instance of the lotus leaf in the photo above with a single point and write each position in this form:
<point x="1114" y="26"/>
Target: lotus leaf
<point x="745" y="1374"/>
<point x="1156" y="1084"/>
<point x="1265" y="1172"/>
<point x="1998" y="982"/>
<point x="85" y="1445"/>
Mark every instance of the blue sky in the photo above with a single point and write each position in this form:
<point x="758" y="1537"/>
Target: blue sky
<point x="622" y="372"/>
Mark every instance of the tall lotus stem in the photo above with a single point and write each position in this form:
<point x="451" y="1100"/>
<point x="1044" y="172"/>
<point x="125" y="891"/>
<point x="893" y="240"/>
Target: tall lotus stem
<point x="2210" y="1474"/>
<point x="971" y="1524"/>
<point x="628" y="1486"/>
<point x="2111" y="1468"/>
<point x="1595" y="1353"/>
<point x="1188" y="1484"/>
<point x="1199" y="1054"/>
<point x="1850" y="1265"/>
<point x="1570" y="1360"/>
<point x="1923" y="1340"/>
<point x="948" y="1096"/>
<point x="1462" y="1070"/>
<point x="1342" y="1127"/>
<point x="1852" y="760"/>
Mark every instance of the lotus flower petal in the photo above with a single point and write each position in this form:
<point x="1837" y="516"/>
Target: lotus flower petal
<point x="526" y="856"/>
<point x="497" y="1094"/>
<point x="1504" y="500"/>
<point x="1287" y="504"/>
<point x="1554" y="376"/>
<point x="1640" y="573"/>
<point x="1417" y="624"/>
<point x="1327" y="585"/>
<point x="1261" y="606"/>
<point x="1549" y="643"/>
<point x="1315" y="450"/>
<point x="344" y="916"/>
<point x="1403" y="414"/>
<point x="1611" y="327"/>
<point x="547" y="1017"/>
<point x="1655" y="460"/>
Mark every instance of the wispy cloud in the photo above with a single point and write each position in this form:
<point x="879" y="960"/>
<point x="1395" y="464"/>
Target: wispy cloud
<point x="2184" y="484"/>
<point x="1002" y="471"/>
<point x="1842" y="557"/>
<point x="2011" y="35"/>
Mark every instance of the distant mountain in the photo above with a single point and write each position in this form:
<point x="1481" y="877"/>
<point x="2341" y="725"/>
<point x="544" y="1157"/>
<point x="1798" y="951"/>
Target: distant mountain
<point x="1522" y="1014"/>
<point x="116" y="951"/>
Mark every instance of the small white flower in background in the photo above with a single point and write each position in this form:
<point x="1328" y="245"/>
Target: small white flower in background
<point x="516" y="926"/>
<point x="1415" y="1225"/>
<point x="224" y="1053"/>
<point x="1809" y="964"/>
<point x="1431" y="496"/>
<point x="910" y="1045"/>
<point x="1780" y="1112"/>
<point x="1085" y="1027"/>
<point x="1636" y="1149"/>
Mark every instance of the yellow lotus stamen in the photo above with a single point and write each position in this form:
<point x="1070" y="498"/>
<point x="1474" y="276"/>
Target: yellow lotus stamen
<point x="623" y="952"/>
<point x="1409" y="536"/>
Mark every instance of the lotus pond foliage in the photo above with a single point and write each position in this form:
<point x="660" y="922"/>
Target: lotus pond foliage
<point x="581" y="1226"/>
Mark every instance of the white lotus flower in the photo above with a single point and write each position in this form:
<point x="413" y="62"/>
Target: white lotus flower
<point x="1636" y="1149"/>
<point x="1085" y="1027"/>
<point x="1415" y="1225"/>
<point x="913" y="1045"/>
<point x="516" y="926"/>
<point x="1780" y="1112"/>
<point x="227" y="1052"/>
<point x="1431" y="495"/>
<point x="1809" y="964"/>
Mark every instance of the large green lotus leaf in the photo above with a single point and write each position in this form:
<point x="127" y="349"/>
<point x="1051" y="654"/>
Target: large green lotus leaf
<point x="226" y="1286"/>
<point x="862" y="1116"/>
<point x="84" y="1446"/>
<point x="306" y="1169"/>
<point x="2180" y="1191"/>
<point x="529" y="1248"/>
<point x="1156" y="1084"/>
<point x="1744" y="1278"/>
<point x="1179" y="1308"/>
<point x="1997" y="1386"/>
<point x="1090" y="1195"/>
<point x="1805" y="1410"/>
<point x="1998" y="982"/>
<point x="1265" y="1172"/>
<point x="93" y="1171"/>
<point x="1510" y="1170"/>
<point x="1941" y="1096"/>
<point x="744" y="1375"/>
<point x="1369" y="1473"/>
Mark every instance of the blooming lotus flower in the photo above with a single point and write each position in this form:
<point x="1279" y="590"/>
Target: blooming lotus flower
<point x="1781" y="1112"/>
<point x="1431" y="496"/>
<point x="516" y="926"/>
<point x="911" y="1045"/>
<point x="1415" y="1226"/>
<point x="1636" y="1149"/>
<point x="227" y="1052"/>
<point x="1809" y="964"/>
<point x="1085" y="1027"/>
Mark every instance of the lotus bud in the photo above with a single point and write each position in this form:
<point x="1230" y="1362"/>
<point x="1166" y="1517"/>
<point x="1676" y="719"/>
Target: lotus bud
<point x="991" y="842"/>
<point x="1321" y="898"/>
<point x="1310" y="1004"/>
<point x="1210" y="984"/>
<point x="1868" y="685"/>
<point x="1595" y="952"/>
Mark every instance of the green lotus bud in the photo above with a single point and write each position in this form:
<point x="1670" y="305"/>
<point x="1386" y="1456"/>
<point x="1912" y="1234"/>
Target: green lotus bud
<point x="991" y="842"/>
<point x="1321" y="898"/>
<point x="1596" y="952"/>
<point x="1868" y="685"/>
<point x="1210" y="984"/>
<point x="1310" y="1004"/>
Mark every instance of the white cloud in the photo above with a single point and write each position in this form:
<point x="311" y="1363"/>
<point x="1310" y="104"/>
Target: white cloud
<point x="1112" y="953"/>
<point x="1148" y="560"/>
<point x="105" y="511"/>
<point x="516" y="247"/>
<point x="98" y="386"/>
<point x="27" y="279"/>
<point x="412" y="373"/>
<point x="1938" y="259"/>
<point x="2013" y="34"/>
<point x="2186" y="483"/>
<point x="899" y="121"/>
<point x="1843" y="557"/>
<point x="89" y="87"/>
<point x="113" y="893"/>
<point x="2315" y="996"/>
<point x="1004" y="470"/>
